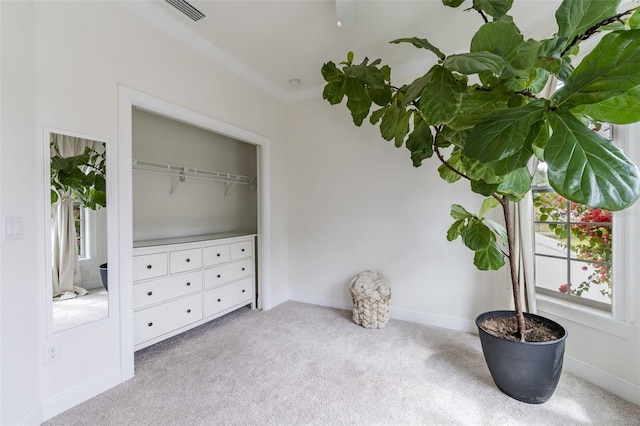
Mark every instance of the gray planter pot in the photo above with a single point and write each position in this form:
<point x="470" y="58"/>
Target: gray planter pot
<point x="104" y="276"/>
<point x="526" y="371"/>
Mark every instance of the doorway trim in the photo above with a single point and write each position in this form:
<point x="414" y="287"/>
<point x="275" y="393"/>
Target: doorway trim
<point x="128" y="99"/>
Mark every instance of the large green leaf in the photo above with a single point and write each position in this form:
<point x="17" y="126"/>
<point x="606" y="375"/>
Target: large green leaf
<point x="452" y="3"/>
<point x="500" y="37"/>
<point x="496" y="8"/>
<point x="527" y="55"/>
<point x="441" y="97"/>
<point x="331" y="73"/>
<point x="458" y="212"/>
<point x="421" y="43"/>
<point x="380" y="96"/>
<point x="334" y="92"/>
<point x="475" y="62"/>
<point x="488" y="204"/>
<point x="452" y="136"/>
<point x="489" y="259"/>
<point x="634" y="20"/>
<point x="378" y="114"/>
<point x="420" y="142"/>
<point x="477" y="236"/>
<point x="586" y="168"/>
<point x="499" y="230"/>
<point x="574" y="17"/>
<point x="504" y="139"/>
<point x="483" y="188"/>
<point x="516" y="184"/>
<point x="456" y="229"/>
<point x="359" y="109"/>
<point x="395" y="125"/>
<point x="476" y="170"/>
<point x="446" y="173"/>
<point x="611" y="69"/>
<point x="413" y="90"/>
<point x="358" y="101"/>
<point x="477" y="103"/>
<point x="621" y="109"/>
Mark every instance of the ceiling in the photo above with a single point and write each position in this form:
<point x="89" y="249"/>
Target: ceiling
<point x="272" y="42"/>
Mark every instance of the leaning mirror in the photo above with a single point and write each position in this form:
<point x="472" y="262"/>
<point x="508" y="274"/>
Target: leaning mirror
<point x="77" y="230"/>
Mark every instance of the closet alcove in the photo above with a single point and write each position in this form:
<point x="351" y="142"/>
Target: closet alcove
<point x="195" y="222"/>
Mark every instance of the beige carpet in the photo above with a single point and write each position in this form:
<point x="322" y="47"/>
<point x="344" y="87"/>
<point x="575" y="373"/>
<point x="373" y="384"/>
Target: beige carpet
<point x="300" y="364"/>
<point x="80" y="310"/>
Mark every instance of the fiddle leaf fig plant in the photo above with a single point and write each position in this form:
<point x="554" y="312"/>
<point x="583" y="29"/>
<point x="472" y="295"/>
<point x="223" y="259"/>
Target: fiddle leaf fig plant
<point x="485" y="117"/>
<point x="83" y="175"/>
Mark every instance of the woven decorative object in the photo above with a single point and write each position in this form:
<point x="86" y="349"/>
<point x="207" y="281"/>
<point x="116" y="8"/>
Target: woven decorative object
<point x="371" y="294"/>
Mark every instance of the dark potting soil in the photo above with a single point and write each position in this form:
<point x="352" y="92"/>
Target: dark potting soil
<point x="507" y="328"/>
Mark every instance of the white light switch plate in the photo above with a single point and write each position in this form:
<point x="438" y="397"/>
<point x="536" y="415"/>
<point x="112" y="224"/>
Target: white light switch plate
<point x="12" y="228"/>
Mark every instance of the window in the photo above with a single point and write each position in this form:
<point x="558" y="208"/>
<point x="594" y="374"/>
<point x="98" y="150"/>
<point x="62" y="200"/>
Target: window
<point x="84" y="223"/>
<point x="80" y="225"/>
<point x="573" y="248"/>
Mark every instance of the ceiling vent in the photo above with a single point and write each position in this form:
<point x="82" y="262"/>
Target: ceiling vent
<point x="187" y="9"/>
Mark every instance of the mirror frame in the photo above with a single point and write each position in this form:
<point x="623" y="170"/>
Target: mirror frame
<point x="48" y="131"/>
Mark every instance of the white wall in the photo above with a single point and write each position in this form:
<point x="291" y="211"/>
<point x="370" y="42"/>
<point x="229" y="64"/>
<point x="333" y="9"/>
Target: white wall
<point x="357" y="203"/>
<point x="21" y="176"/>
<point x="62" y="63"/>
<point x="196" y="206"/>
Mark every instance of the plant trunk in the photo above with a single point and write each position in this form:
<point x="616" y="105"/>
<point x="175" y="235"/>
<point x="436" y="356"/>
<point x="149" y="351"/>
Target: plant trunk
<point x="515" y="283"/>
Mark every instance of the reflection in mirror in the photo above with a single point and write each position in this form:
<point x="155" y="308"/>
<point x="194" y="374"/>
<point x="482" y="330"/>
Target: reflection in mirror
<point x="79" y="280"/>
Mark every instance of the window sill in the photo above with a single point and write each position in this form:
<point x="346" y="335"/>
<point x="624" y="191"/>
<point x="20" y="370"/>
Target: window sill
<point x="583" y="315"/>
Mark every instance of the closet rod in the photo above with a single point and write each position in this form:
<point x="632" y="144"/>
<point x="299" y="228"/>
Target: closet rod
<point x="170" y="169"/>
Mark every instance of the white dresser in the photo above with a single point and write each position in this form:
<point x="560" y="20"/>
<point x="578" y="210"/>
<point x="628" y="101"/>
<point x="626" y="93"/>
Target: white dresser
<point x="180" y="283"/>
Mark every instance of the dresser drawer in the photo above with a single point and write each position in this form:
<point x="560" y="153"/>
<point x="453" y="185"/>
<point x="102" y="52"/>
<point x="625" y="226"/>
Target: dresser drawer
<point x="149" y="266"/>
<point x="162" y="289"/>
<point x="241" y="250"/>
<point x="222" y="274"/>
<point x="158" y="320"/>
<point x="185" y="260"/>
<point x="215" y="255"/>
<point x="227" y="296"/>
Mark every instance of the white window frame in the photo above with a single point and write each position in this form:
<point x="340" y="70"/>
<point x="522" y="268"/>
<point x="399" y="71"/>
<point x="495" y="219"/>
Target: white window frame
<point x="87" y="234"/>
<point x="626" y="231"/>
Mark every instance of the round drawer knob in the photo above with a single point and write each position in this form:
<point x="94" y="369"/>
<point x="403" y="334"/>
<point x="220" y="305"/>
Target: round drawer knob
<point x="149" y="293"/>
<point x="150" y="324"/>
<point x="188" y="260"/>
<point x="148" y="266"/>
<point x="188" y="311"/>
<point x="243" y="269"/>
<point x="242" y="249"/>
<point x="218" y="254"/>
<point x="218" y="275"/>
<point x="219" y="300"/>
<point x="243" y="290"/>
<point x="188" y="284"/>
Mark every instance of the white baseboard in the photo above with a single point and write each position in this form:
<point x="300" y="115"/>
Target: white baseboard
<point x="34" y="418"/>
<point x="321" y="301"/>
<point x="613" y="384"/>
<point x="395" y="313"/>
<point x="433" y="320"/>
<point x="80" y="394"/>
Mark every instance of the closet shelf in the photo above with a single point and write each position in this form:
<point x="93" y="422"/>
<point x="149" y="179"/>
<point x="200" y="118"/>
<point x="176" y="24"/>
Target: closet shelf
<point x="183" y="172"/>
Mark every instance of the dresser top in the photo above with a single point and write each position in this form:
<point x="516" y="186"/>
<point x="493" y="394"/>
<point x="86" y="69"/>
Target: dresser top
<point x="190" y="239"/>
